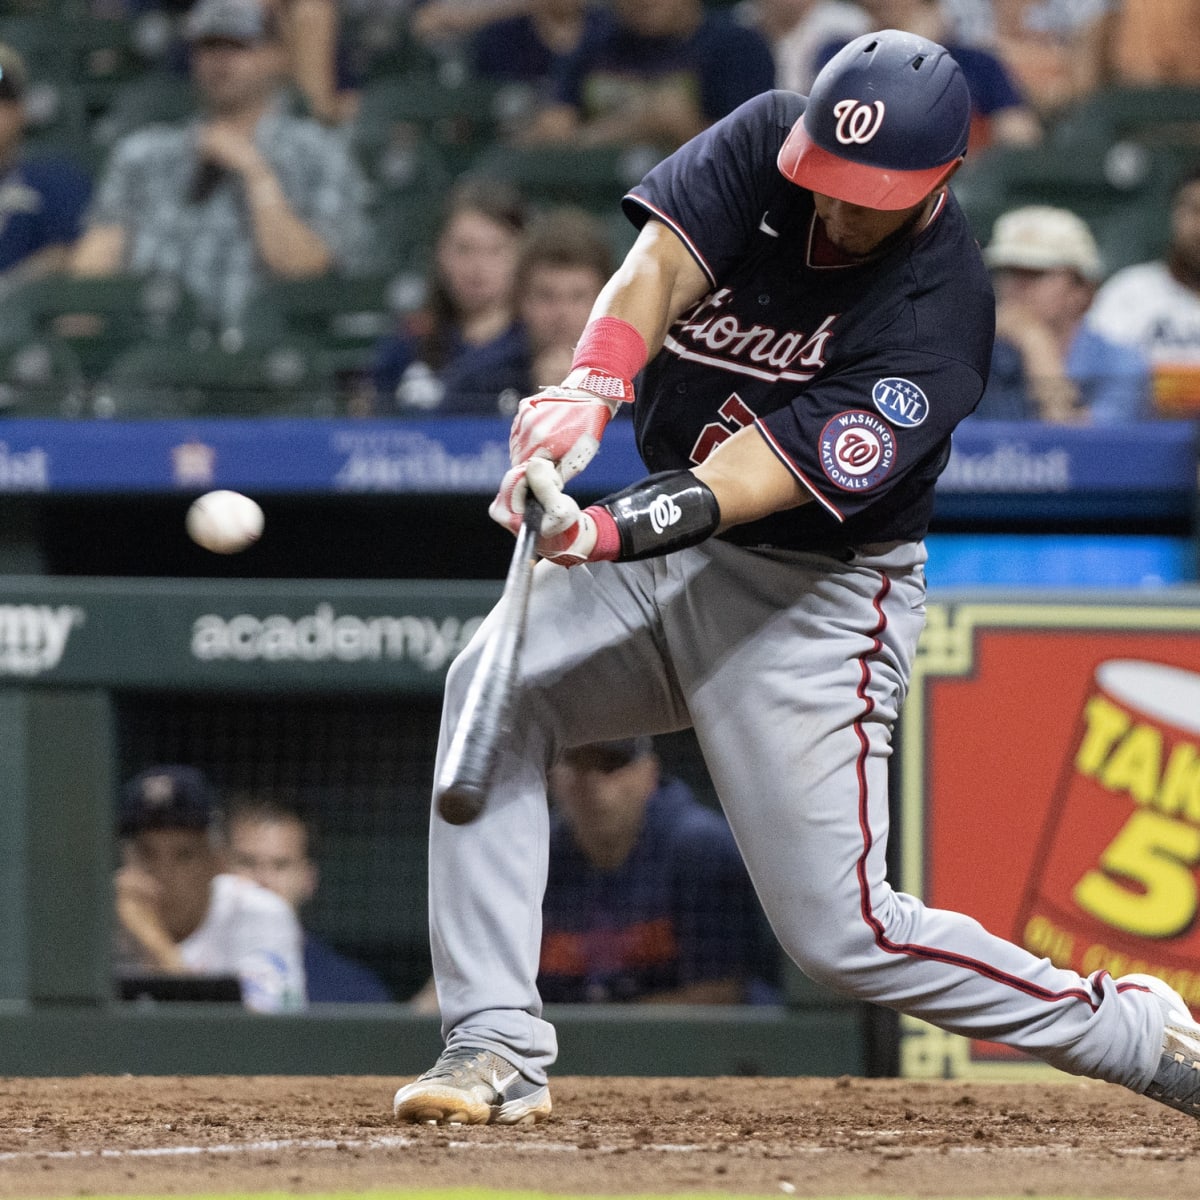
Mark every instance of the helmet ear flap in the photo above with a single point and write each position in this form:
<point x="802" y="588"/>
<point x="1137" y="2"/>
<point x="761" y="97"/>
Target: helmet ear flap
<point x="886" y="122"/>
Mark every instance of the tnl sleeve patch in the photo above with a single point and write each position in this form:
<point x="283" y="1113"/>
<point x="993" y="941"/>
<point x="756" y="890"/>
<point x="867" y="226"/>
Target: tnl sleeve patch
<point x="901" y="401"/>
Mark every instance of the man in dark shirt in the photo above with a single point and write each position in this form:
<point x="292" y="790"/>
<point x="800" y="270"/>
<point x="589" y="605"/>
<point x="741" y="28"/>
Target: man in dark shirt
<point x="647" y="897"/>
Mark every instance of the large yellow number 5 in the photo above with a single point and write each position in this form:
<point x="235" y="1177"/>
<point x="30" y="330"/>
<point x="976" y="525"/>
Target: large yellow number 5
<point x="1156" y="853"/>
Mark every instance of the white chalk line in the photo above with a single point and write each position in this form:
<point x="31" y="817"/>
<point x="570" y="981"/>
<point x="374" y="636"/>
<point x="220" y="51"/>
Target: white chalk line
<point x="275" y="1145"/>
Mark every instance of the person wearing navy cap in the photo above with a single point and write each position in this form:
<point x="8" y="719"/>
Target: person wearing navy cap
<point x="180" y="913"/>
<point x="809" y="319"/>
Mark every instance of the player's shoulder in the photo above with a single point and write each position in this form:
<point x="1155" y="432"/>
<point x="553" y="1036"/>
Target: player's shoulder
<point x="751" y="135"/>
<point x="776" y="107"/>
<point x="331" y="976"/>
<point x="48" y="171"/>
<point x="938" y="283"/>
<point x="950" y="248"/>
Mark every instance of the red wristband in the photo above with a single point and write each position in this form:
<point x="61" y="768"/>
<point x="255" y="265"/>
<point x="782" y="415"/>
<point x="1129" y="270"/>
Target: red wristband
<point x="613" y="345"/>
<point x="608" y="540"/>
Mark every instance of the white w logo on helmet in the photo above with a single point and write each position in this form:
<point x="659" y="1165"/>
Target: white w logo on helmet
<point x="857" y="121"/>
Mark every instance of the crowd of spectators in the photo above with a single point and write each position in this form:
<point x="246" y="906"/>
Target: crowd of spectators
<point x="647" y="898"/>
<point x="212" y="888"/>
<point x="181" y="914"/>
<point x="266" y="180"/>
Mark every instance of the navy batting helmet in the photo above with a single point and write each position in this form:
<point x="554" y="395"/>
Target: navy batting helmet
<point x="886" y="122"/>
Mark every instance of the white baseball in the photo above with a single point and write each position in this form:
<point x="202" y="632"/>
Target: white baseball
<point x="224" y="522"/>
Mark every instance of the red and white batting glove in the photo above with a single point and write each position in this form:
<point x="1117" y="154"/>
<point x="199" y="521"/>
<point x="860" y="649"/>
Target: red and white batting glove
<point x="565" y="423"/>
<point x="562" y="426"/>
<point x="568" y="536"/>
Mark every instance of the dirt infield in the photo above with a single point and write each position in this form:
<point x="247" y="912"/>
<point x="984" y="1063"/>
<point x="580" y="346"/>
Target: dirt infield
<point x="821" y="1136"/>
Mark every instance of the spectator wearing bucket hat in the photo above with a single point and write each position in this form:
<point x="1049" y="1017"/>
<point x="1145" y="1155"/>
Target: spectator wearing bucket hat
<point x="42" y="196"/>
<point x="244" y="194"/>
<point x="178" y="910"/>
<point x="1046" y="363"/>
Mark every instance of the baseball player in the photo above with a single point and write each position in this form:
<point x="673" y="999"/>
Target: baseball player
<point x="813" y="319"/>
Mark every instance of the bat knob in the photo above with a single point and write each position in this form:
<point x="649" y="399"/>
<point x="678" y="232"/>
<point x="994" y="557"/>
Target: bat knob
<point x="460" y="803"/>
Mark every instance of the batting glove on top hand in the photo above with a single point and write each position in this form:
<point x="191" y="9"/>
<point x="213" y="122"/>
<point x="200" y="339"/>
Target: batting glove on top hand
<point x="565" y="423"/>
<point x="568" y="536"/>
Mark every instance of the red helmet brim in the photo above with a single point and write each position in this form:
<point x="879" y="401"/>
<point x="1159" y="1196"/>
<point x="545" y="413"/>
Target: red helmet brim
<point x="811" y="166"/>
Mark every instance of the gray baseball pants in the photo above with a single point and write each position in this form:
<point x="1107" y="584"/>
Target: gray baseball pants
<point x="791" y="668"/>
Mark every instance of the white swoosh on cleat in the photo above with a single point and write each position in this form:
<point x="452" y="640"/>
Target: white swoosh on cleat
<point x="501" y="1084"/>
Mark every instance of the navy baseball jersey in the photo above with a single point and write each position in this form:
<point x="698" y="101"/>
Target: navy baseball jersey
<point x="855" y="372"/>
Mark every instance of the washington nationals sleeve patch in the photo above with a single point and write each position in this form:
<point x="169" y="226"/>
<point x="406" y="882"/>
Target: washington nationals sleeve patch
<point x="857" y="450"/>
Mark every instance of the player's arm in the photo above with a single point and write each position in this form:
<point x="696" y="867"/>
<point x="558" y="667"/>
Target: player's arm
<point x="655" y="284"/>
<point x="747" y="481"/>
<point x="740" y="481"/>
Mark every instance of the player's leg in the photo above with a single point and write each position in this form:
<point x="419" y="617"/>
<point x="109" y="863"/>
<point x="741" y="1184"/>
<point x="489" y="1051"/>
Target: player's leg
<point x="591" y="670"/>
<point x="795" y="720"/>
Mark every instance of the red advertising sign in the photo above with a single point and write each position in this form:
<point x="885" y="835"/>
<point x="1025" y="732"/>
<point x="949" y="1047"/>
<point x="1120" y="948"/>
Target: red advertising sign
<point x="1052" y="785"/>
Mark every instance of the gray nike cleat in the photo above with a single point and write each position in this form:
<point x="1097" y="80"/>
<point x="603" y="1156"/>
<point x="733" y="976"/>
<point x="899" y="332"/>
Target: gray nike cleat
<point x="470" y="1086"/>
<point x="1177" y="1081"/>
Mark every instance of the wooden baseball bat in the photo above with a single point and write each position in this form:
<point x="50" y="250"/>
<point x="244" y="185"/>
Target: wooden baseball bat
<point x="486" y="717"/>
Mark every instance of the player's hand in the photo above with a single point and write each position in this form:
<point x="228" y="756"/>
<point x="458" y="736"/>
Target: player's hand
<point x="564" y="424"/>
<point x="568" y="536"/>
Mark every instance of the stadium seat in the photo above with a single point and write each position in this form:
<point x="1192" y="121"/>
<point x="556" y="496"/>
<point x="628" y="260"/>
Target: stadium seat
<point x="1152" y="116"/>
<point x="410" y="178"/>
<point x="40" y="377"/>
<point x="38" y="38"/>
<point x="98" y="318"/>
<point x="157" y="96"/>
<point x="56" y="122"/>
<point x="457" y="118"/>
<point x="1115" y="197"/>
<point x="594" y="178"/>
<point x="344" y="318"/>
<point x="193" y="377"/>
<point x="380" y="42"/>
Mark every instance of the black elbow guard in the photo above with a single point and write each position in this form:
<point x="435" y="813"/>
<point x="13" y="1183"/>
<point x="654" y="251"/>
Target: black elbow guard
<point x="668" y="511"/>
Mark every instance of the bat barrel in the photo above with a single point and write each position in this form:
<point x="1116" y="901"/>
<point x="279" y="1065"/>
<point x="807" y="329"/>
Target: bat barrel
<point x="486" y="717"/>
